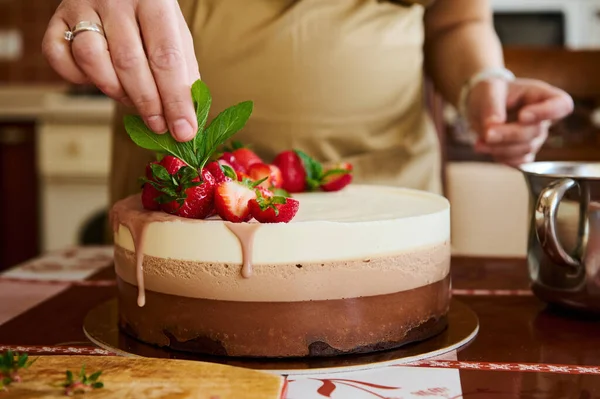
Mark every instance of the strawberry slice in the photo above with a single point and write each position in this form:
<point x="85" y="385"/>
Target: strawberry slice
<point x="271" y="173"/>
<point x="292" y="171"/>
<point x="337" y="177"/>
<point x="273" y="210"/>
<point x="231" y="201"/>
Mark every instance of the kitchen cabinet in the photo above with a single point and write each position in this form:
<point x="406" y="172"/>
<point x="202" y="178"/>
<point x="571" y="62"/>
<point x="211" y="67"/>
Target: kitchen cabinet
<point x="74" y="152"/>
<point x="19" y="202"/>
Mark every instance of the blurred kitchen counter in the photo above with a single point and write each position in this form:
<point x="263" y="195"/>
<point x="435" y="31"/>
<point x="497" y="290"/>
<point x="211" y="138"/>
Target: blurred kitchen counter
<point x="51" y="102"/>
<point x="67" y="132"/>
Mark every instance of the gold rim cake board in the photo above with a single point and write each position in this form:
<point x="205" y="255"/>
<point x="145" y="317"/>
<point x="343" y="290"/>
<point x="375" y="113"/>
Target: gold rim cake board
<point x="101" y="327"/>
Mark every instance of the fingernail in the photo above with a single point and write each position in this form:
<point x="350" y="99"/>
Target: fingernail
<point x="493" y="137"/>
<point x="157" y="123"/>
<point x="527" y="117"/>
<point x="183" y="130"/>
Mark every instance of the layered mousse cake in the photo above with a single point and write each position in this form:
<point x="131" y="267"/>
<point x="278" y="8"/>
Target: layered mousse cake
<point x="237" y="257"/>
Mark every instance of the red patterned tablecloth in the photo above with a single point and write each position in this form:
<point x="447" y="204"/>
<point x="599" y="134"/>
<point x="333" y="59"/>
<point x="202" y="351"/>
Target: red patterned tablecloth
<point x="523" y="349"/>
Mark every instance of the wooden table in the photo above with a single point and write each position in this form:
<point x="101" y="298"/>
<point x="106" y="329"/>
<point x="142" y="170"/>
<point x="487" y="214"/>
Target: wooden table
<point x="523" y="350"/>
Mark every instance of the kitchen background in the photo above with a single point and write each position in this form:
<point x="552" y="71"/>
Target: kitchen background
<point x="55" y="139"/>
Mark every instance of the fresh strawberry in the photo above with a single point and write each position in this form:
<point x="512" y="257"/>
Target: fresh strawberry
<point x="273" y="210"/>
<point x="149" y="169"/>
<point x="260" y="171"/>
<point x="292" y="171"/>
<point x="172" y="164"/>
<point x="196" y="202"/>
<point x="337" y="177"/>
<point x="218" y="171"/>
<point x="149" y="196"/>
<point x="232" y="161"/>
<point x="246" y="157"/>
<point x="231" y="201"/>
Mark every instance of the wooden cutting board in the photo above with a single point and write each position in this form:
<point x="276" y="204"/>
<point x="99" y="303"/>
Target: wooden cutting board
<point x="125" y="377"/>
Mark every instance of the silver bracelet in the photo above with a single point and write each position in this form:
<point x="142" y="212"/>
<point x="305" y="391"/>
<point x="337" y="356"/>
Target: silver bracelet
<point x="486" y="74"/>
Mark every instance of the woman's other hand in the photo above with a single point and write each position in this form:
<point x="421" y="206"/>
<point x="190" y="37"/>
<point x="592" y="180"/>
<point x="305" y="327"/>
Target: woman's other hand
<point x="535" y="105"/>
<point x="146" y="60"/>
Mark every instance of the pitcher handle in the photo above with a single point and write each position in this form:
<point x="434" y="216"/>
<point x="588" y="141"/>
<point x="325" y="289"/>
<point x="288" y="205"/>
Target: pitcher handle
<point x="545" y="222"/>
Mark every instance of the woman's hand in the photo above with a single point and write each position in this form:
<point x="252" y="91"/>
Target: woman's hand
<point x="535" y="104"/>
<point x="146" y="60"/>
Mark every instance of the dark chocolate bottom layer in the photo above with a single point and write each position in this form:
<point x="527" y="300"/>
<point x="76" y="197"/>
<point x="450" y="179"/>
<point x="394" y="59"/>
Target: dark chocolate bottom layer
<point x="285" y="329"/>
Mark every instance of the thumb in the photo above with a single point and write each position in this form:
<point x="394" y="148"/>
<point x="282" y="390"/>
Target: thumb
<point x="488" y="104"/>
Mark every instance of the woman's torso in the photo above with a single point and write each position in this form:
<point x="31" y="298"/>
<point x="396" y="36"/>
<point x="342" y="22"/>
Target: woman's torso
<point x="339" y="79"/>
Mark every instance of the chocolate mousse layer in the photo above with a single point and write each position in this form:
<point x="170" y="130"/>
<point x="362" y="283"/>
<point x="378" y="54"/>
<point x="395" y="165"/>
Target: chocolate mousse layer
<point x="285" y="329"/>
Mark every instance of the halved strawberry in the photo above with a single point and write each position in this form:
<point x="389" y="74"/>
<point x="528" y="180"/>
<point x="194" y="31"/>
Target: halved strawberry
<point x="292" y="171"/>
<point x="273" y="210"/>
<point x="271" y="173"/>
<point x="231" y="201"/>
<point x="336" y="177"/>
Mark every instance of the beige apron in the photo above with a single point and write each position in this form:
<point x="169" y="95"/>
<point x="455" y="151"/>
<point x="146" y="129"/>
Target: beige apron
<point x="339" y="79"/>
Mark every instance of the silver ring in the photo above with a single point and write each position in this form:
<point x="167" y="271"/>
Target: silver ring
<point x="83" y="26"/>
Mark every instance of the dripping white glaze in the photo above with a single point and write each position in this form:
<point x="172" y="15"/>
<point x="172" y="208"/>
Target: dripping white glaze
<point x="245" y="233"/>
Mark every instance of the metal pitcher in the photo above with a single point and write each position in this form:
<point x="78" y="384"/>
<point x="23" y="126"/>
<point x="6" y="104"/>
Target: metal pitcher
<point x="564" y="233"/>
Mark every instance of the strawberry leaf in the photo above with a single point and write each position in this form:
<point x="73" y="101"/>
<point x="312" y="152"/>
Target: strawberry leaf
<point x="202" y="102"/>
<point x="334" y="172"/>
<point x="280" y="192"/>
<point x="228" y="171"/>
<point x="164" y="143"/>
<point x="69" y="376"/>
<point x="97" y="385"/>
<point x="159" y="172"/>
<point x="225" y="125"/>
<point x="313" y="168"/>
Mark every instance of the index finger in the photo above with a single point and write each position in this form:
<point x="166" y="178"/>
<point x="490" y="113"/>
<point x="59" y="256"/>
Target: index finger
<point x="159" y="24"/>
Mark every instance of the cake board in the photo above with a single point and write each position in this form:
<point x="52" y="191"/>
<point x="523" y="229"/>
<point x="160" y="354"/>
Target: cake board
<point x="101" y="327"/>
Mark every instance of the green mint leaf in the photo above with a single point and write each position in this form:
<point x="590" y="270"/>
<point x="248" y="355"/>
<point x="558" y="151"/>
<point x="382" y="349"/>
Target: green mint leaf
<point x="69" y="376"/>
<point x="202" y="102"/>
<point x="82" y="372"/>
<point x="10" y="359"/>
<point x="313" y="169"/>
<point x="225" y="125"/>
<point x="159" y="172"/>
<point x="228" y="171"/>
<point x="22" y="361"/>
<point x="98" y="385"/>
<point x="164" y="143"/>
<point x="94" y="377"/>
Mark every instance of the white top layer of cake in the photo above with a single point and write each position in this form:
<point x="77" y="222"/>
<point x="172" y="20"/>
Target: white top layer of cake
<point x="361" y="241"/>
<point x="358" y="222"/>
